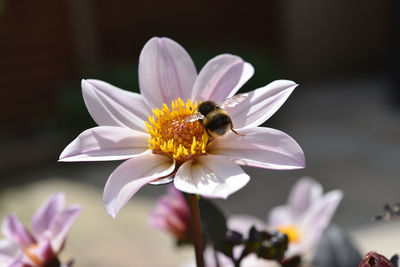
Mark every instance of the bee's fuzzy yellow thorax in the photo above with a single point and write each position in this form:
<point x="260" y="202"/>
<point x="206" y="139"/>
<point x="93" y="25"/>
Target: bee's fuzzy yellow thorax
<point x="171" y="135"/>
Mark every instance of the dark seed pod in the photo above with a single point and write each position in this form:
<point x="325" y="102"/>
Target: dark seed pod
<point x="373" y="259"/>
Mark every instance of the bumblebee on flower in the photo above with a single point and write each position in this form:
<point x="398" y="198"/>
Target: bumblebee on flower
<point x="158" y="136"/>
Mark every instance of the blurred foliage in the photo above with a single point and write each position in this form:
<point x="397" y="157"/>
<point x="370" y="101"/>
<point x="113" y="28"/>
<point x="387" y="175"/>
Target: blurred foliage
<point x="270" y="245"/>
<point x="213" y="223"/>
<point x="2" y="6"/>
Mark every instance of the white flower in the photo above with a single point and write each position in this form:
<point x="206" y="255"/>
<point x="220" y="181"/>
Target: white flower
<point x="149" y="132"/>
<point x="304" y="218"/>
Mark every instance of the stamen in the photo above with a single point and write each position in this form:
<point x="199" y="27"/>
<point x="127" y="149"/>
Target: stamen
<point x="30" y="252"/>
<point x="171" y="135"/>
<point x="292" y="231"/>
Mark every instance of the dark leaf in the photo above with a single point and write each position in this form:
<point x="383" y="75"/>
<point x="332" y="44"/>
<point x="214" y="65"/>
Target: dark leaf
<point x="291" y="262"/>
<point x="213" y="223"/>
<point x="395" y="260"/>
<point x="233" y="238"/>
<point x="266" y="245"/>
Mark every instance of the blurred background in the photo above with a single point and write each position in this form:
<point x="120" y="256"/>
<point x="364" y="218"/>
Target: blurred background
<point x="345" y="113"/>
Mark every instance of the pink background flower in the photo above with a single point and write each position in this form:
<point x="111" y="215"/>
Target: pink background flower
<point x="50" y="225"/>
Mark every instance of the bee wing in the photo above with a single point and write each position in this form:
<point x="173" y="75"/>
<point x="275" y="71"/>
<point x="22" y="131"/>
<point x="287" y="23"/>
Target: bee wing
<point x="234" y="100"/>
<point x="194" y="117"/>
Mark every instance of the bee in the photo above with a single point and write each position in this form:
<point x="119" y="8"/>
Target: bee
<point x="215" y="119"/>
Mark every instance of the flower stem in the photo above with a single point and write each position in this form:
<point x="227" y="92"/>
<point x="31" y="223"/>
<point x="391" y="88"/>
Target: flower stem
<point x="196" y="229"/>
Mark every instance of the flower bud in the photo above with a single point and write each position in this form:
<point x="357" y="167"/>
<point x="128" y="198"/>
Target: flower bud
<point x="373" y="259"/>
<point x="233" y="238"/>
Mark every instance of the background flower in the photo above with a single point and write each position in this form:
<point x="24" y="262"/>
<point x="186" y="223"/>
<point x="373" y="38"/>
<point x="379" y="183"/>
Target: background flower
<point x="50" y="226"/>
<point x="304" y="218"/>
<point x="172" y="214"/>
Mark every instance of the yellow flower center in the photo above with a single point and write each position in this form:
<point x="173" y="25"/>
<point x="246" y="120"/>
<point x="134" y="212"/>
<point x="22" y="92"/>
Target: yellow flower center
<point x="172" y="136"/>
<point x="291" y="231"/>
<point x="30" y="252"/>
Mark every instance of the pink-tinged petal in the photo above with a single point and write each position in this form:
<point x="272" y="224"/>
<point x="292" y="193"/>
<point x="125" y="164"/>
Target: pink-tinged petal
<point x="278" y="216"/>
<point x="45" y="214"/>
<point x="105" y="143"/>
<point x="172" y="214"/>
<point x="13" y="229"/>
<point x="170" y="223"/>
<point x="221" y="78"/>
<point x="178" y="201"/>
<point x="111" y="106"/>
<point x="210" y="176"/>
<point x="61" y="225"/>
<point x="317" y="218"/>
<point x="166" y="72"/>
<point x="19" y="262"/>
<point x="303" y="194"/>
<point x="8" y="251"/>
<point x="260" y="104"/>
<point x="132" y="175"/>
<point x="260" y="147"/>
<point x="6" y="260"/>
<point x="243" y="223"/>
<point x="19" y="259"/>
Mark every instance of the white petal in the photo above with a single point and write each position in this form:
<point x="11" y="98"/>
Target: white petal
<point x="261" y="104"/>
<point x="132" y="175"/>
<point x="243" y="223"/>
<point x="210" y="176"/>
<point x="303" y="193"/>
<point x="166" y="72"/>
<point x="162" y="181"/>
<point x="221" y="78"/>
<point x="260" y="147"/>
<point x="280" y="215"/>
<point x="317" y="218"/>
<point x="105" y="143"/>
<point x="253" y="261"/>
<point x="110" y="106"/>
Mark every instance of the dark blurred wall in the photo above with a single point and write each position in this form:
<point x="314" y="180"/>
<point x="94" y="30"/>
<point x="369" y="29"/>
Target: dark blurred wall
<point x="45" y="43"/>
<point x="35" y="54"/>
<point x="325" y="38"/>
<point x="126" y="25"/>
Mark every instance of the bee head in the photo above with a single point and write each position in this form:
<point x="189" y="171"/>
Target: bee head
<point x="206" y="107"/>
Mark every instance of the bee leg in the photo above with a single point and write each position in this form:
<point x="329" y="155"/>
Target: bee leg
<point x="237" y="132"/>
<point x="209" y="136"/>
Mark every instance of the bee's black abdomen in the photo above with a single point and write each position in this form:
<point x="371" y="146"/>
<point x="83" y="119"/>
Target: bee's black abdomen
<point x="206" y="107"/>
<point x="219" y="123"/>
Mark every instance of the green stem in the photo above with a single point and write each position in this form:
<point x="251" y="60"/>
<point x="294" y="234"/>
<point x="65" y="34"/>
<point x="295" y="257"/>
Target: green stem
<point x="196" y="229"/>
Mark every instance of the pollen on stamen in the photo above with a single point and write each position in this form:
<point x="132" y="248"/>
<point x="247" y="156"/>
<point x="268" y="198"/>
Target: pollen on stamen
<point x="171" y="135"/>
<point x="30" y="252"/>
<point x="291" y="231"/>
